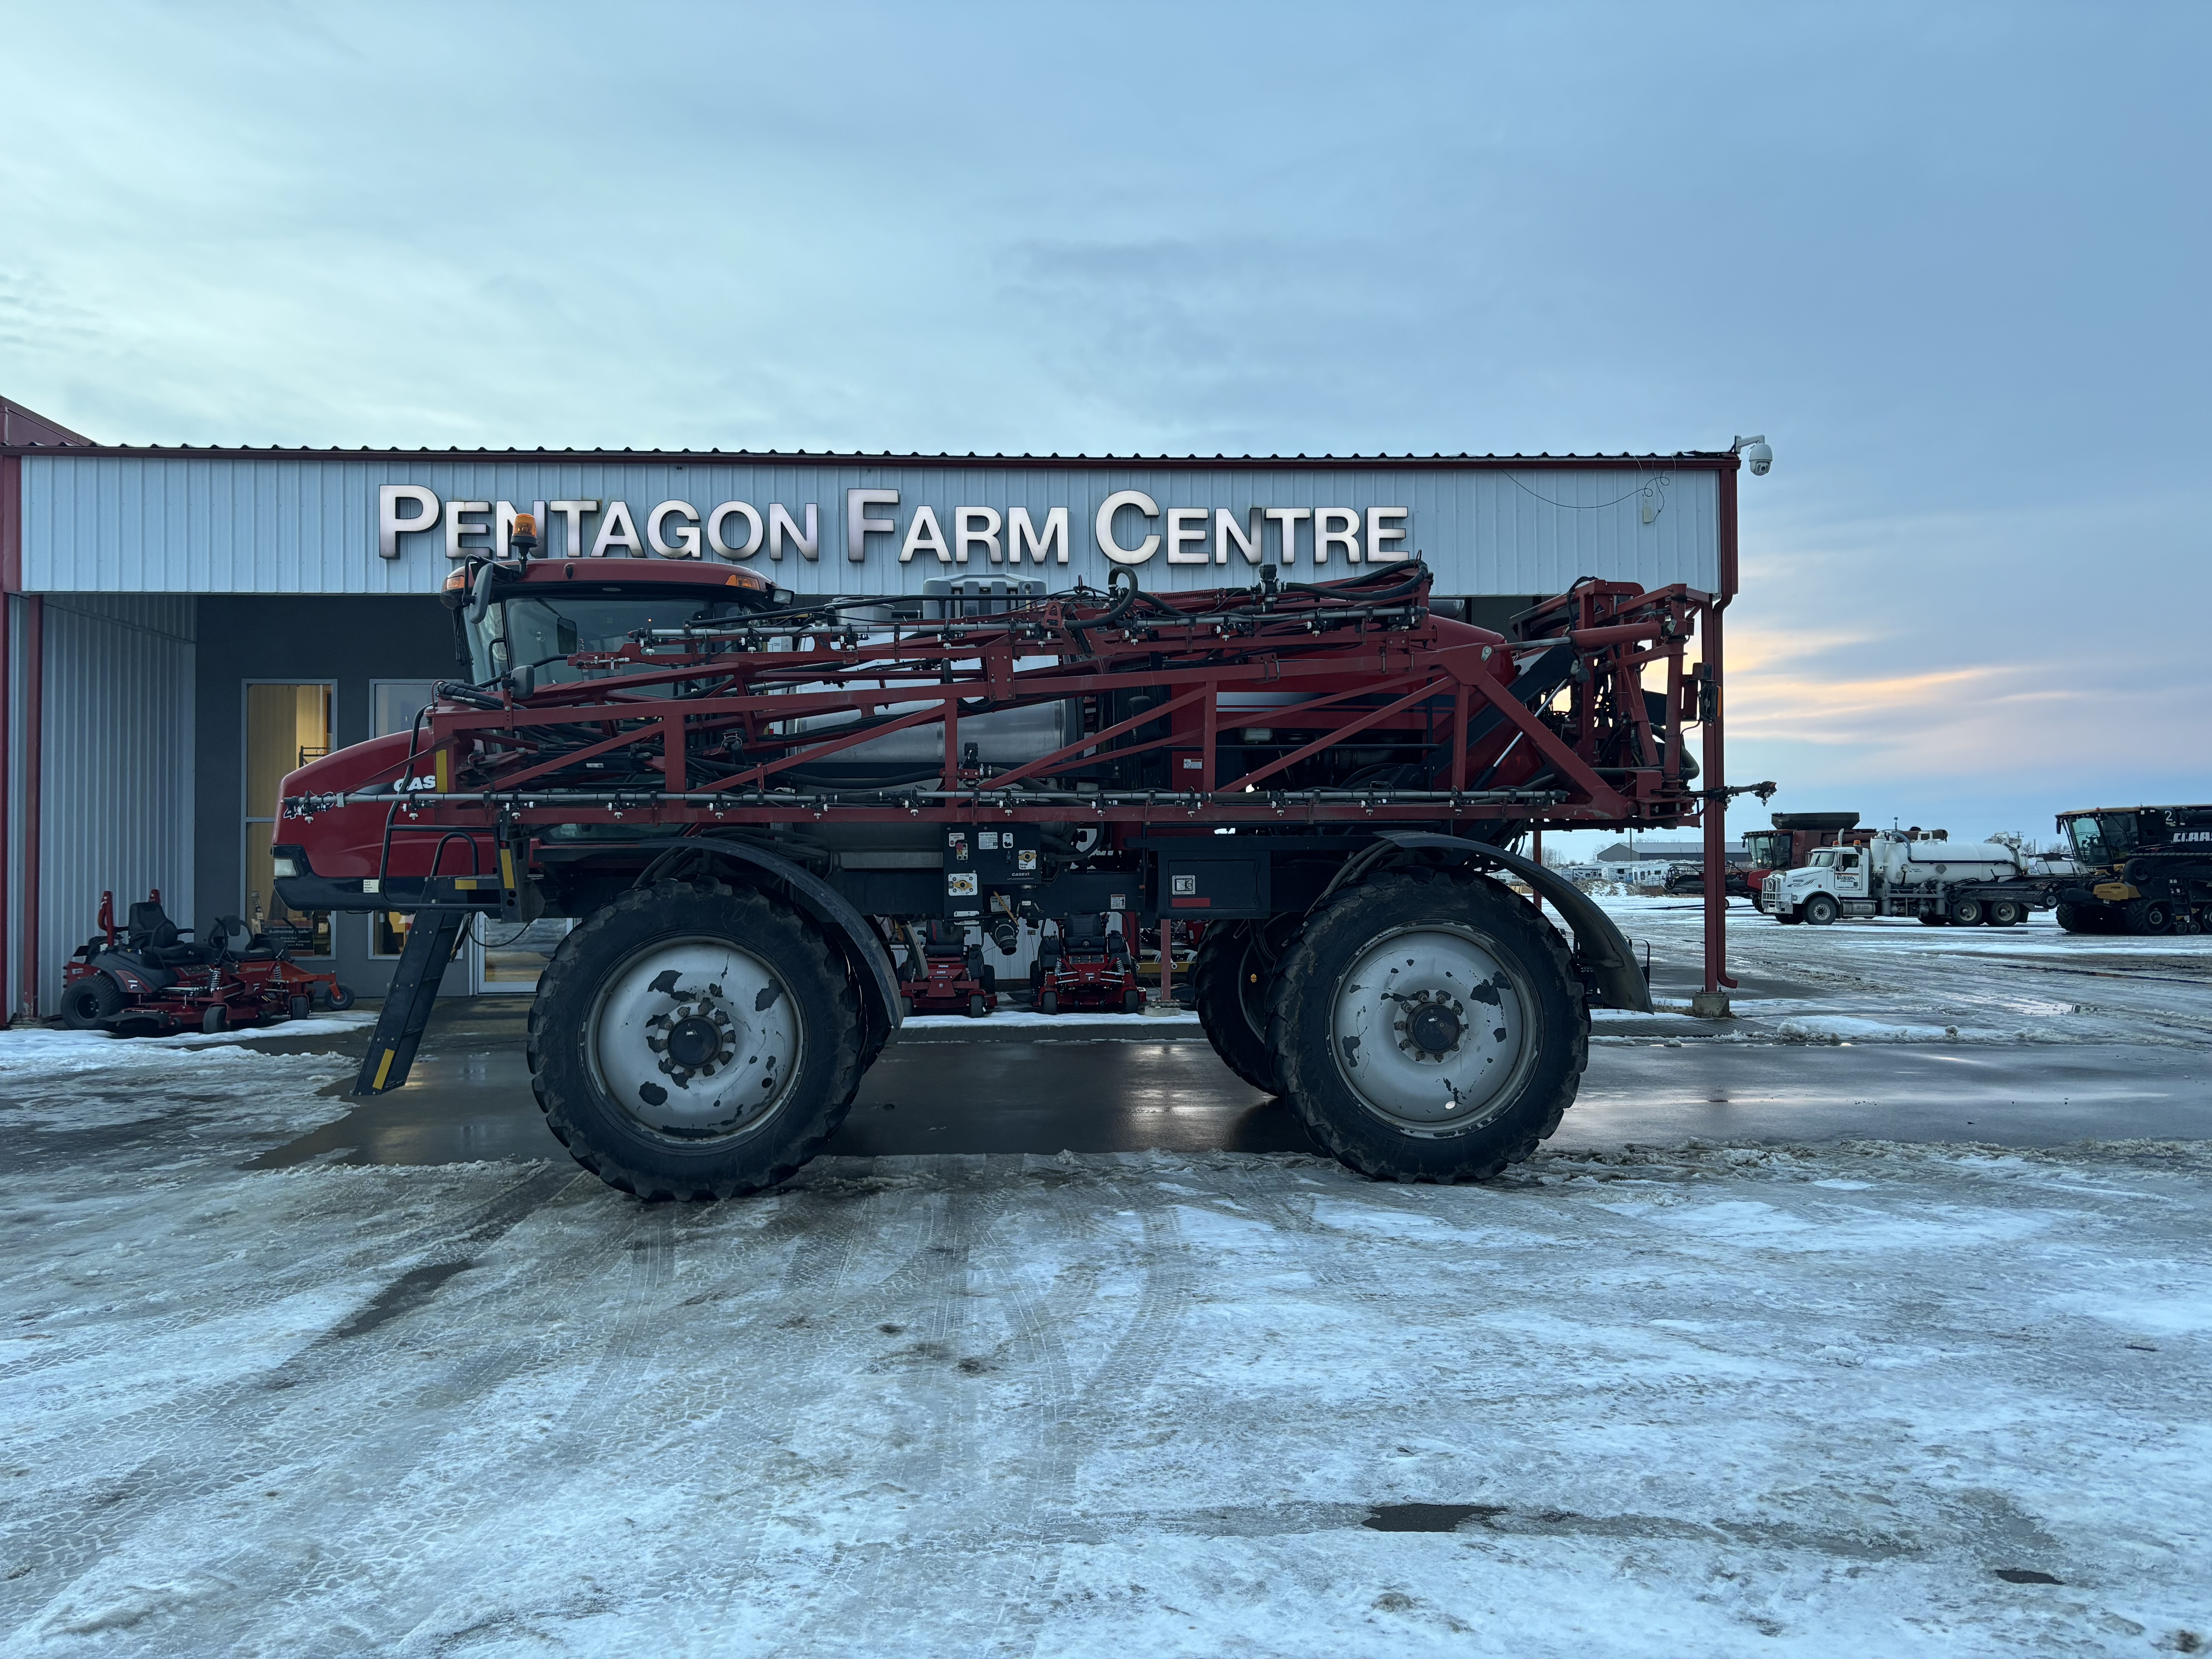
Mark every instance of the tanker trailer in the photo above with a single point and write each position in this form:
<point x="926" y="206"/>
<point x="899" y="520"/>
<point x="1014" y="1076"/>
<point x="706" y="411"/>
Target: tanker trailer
<point x="1909" y="873"/>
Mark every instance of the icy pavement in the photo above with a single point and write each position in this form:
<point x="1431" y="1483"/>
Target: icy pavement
<point x="1865" y="1400"/>
<point x="1897" y="981"/>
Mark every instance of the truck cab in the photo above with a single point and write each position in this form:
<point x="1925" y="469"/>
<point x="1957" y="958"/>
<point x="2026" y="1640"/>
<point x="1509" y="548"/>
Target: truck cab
<point x="1790" y="843"/>
<point x="1833" y="882"/>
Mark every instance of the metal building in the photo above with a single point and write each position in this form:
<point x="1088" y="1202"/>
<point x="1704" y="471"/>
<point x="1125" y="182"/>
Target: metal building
<point x="186" y="625"/>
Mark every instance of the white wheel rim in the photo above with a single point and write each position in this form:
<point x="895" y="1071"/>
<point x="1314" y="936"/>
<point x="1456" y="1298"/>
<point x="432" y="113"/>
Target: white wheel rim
<point x="695" y="1038"/>
<point x="1429" y="1030"/>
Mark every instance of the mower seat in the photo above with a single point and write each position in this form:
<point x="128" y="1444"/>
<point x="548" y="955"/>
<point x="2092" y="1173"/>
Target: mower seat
<point x="945" y="939"/>
<point x="159" y="942"/>
<point x="1090" y="936"/>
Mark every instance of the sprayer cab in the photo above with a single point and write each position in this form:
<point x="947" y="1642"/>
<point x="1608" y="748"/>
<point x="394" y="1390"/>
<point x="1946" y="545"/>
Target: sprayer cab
<point x="532" y="614"/>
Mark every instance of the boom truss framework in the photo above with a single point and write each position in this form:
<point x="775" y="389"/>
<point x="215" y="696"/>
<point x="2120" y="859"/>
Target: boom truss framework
<point x="735" y="723"/>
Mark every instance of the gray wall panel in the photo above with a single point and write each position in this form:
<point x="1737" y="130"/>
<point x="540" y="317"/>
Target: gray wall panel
<point x="116" y="789"/>
<point x="271" y="525"/>
<point x="18" y="781"/>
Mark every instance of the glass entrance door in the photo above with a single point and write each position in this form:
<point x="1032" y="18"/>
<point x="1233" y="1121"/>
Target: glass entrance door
<point x="287" y="724"/>
<point x="505" y="957"/>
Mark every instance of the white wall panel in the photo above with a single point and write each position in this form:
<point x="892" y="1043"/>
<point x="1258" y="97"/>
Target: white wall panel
<point x="180" y="524"/>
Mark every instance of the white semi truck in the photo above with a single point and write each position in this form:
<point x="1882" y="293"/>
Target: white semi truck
<point x="1904" y="874"/>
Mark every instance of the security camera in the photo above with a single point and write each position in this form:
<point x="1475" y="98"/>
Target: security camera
<point x="1756" y="455"/>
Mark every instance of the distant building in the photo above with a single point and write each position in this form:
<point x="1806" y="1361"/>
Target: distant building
<point x="1674" y="852"/>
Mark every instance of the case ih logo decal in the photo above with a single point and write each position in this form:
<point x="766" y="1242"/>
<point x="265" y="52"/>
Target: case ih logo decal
<point x="1128" y="527"/>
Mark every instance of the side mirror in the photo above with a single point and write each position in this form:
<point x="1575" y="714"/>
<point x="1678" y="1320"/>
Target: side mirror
<point x="480" y="598"/>
<point x="525" y="681"/>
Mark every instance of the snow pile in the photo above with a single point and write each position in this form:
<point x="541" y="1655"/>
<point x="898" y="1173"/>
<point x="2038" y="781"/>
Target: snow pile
<point x="53" y="1049"/>
<point x="1836" y="1028"/>
<point x="62" y="1082"/>
<point x="1713" y="1399"/>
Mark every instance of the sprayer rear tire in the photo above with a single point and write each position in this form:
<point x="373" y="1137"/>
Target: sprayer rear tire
<point x="1488" y="975"/>
<point x="89" y="1004"/>
<point x="788" y="1003"/>
<point x="1229" y="981"/>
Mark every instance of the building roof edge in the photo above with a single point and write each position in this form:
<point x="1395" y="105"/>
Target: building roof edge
<point x="77" y="447"/>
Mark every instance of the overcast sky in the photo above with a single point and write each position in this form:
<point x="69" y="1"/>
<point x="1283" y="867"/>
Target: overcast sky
<point x="1951" y="260"/>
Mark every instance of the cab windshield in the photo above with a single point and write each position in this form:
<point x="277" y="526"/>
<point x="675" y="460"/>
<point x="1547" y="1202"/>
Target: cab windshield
<point x="545" y="629"/>
<point x="1767" y="848"/>
<point x="2100" y="840"/>
<point x="1823" y="860"/>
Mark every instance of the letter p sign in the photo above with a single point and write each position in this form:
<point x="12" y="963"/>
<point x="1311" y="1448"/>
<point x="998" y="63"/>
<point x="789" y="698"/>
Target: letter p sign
<point x="389" y="524"/>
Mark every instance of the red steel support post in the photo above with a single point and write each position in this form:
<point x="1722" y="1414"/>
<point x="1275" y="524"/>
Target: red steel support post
<point x="11" y="579"/>
<point x="1716" y="776"/>
<point x="7" y="771"/>
<point x="1716" y="816"/>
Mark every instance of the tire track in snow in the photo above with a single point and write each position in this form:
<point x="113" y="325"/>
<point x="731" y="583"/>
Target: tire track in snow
<point x="234" y="1417"/>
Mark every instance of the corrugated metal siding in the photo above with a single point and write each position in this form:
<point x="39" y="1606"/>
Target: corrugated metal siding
<point x="18" y="778"/>
<point x="116" y="811"/>
<point x="178" y="524"/>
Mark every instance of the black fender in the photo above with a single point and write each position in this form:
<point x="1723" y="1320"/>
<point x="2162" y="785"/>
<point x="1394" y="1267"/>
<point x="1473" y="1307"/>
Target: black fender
<point x="136" y="978"/>
<point x="828" y="907"/>
<point x="1601" y="945"/>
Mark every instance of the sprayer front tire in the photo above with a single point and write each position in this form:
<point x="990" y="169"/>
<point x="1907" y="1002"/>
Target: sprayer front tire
<point x="91" y="1002"/>
<point x="693" y="1041"/>
<point x="1427" y="1026"/>
<point x="1230" y="978"/>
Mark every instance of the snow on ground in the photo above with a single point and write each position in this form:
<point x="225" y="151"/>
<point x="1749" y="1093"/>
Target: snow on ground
<point x="1897" y="981"/>
<point x="1865" y="1398"/>
<point x="162" y="1094"/>
<point x="53" y="1048"/>
<point x="1006" y="1013"/>
<point x="1715" y="1401"/>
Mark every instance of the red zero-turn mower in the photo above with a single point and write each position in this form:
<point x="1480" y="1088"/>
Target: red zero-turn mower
<point x="1086" y="967"/>
<point x="149" y="979"/>
<point x="944" y="974"/>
